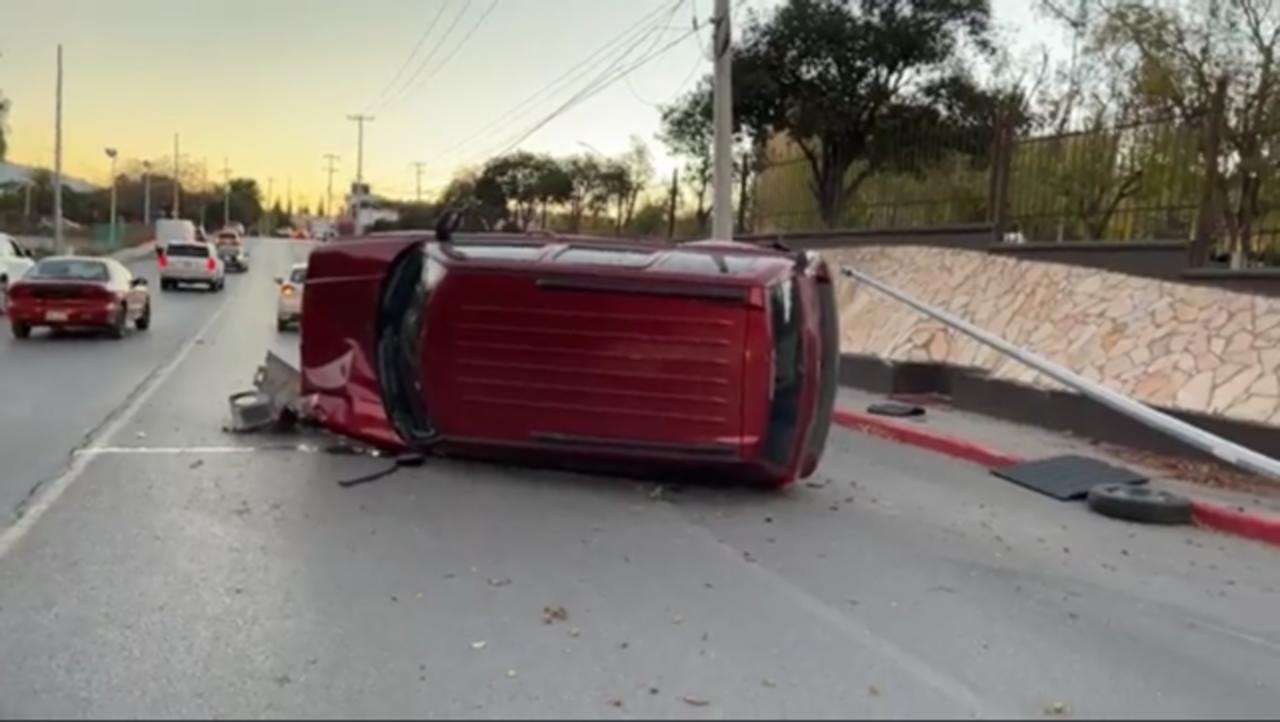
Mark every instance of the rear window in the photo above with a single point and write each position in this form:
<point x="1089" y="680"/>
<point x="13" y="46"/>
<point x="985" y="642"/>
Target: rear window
<point x="70" y="270"/>
<point x="185" y="250"/>
<point x="298" y="275"/>
<point x="228" y="238"/>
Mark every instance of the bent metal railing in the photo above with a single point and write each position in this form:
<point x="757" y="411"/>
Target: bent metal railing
<point x="1228" y="451"/>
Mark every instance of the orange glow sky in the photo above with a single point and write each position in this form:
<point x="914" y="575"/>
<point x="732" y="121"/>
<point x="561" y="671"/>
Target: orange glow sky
<point x="268" y="83"/>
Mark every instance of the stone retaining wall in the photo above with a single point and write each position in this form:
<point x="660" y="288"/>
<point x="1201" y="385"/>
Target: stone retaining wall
<point x="1165" y="343"/>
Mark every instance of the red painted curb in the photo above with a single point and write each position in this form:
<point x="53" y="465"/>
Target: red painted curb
<point x="1221" y="518"/>
<point x="926" y="438"/>
<point x="1230" y="520"/>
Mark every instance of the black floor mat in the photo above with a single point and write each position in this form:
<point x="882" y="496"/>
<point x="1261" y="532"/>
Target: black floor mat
<point x="1067" y="477"/>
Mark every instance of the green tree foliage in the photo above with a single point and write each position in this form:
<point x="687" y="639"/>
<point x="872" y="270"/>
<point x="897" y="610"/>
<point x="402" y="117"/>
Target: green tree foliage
<point x="852" y="84"/>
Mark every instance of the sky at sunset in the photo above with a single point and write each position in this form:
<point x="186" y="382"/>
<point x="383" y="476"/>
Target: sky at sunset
<point x="268" y="84"/>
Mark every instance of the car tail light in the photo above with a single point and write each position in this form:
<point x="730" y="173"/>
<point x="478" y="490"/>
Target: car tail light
<point x="286" y="290"/>
<point x="211" y="264"/>
<point x="162" y="261"/>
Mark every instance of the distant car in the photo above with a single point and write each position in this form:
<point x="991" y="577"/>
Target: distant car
<point x="238" y="227"/>
<point x="231" y="250"/>
<point x="14" y="262"/>
<point x="713" y="359"/>
<point x="195" y="262"/>
<point x="289" y="300"/>
<point x="74" y="291"/>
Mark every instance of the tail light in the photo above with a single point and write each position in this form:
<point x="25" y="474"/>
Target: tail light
<point x="211" y="264"/>
<point x="162" y="261"/>
<point x="286" y="290"/>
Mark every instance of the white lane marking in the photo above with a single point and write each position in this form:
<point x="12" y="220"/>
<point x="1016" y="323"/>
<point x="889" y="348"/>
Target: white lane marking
<point x="79" y="462"/>
<point x="176" y="450"/>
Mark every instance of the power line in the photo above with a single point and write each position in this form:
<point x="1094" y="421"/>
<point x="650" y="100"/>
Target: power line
<point x="461" y="43"/>
<point x="425" y="61"/>
<point x="590" y="91"/>
<point x="599" y="82"/>
<point x="417" y="46"/>
<point x="577" y="70"/>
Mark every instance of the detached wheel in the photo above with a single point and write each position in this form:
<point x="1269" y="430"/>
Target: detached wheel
<point x="1140" y="503"/>
<point x="20" y="330"/>
<point x="143" y="322"/>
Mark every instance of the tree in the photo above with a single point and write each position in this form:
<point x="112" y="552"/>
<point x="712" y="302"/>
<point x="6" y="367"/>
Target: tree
<point x="584" y="180"/>
<point x="552" y="185"/>
<point x="851" y="84"/>
<point x="639" y="169"/>
<point x="4" y="119"/>
<point x="687" y="130"/>
<point x="1208" y="63"/>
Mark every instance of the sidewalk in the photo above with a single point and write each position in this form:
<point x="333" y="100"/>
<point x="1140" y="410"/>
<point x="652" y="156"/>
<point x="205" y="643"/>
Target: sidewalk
<point x="1029" y="442"/>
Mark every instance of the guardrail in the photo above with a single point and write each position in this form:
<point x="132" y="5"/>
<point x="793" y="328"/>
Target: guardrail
<point x="1223" y="449"/>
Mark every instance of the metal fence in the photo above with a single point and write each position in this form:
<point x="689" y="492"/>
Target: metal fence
<point x="1132" y="182"/>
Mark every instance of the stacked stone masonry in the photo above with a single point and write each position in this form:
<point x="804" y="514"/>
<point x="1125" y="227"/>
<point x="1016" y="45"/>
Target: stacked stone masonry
<point x="1167" y="344"/>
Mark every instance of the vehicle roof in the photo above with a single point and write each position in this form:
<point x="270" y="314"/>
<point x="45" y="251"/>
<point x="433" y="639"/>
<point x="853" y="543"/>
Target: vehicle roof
<point x="69" y="257"/>
<point x="728" y="262"/>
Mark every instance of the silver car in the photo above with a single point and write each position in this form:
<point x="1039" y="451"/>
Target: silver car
<point x="190" y="262"/>
<point x="289" y="300"/>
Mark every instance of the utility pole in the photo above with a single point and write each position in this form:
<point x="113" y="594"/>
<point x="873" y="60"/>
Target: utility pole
<point x="722" y="197"/>
<point x="57" y="160"/>
<point x="146" y="192"/>
<point x="288" y="197"/>
<point x="26" y="202"/>
<point x="417" y="167"/>
<point x="226" y="193"/>
<point x="268" y="208"/>
<point x="671" y="211"/>
<point x="111" y="153"/>
<point x="328" y="194"/>
<point x="177" y="191"/>
<point x="357" y="194"/>
<point x="360" y="120"/>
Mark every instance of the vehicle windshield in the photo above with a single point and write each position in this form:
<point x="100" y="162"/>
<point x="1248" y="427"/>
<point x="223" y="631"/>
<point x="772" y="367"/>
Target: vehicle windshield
<point x="70" y="270"/>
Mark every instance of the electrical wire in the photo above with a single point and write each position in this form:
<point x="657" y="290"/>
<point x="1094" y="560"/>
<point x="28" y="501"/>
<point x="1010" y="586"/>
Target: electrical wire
<point x="436" y="48"/>
<point x="405" y="65"/>
<point x="457" y="48"/>
<point x="563" y="79"/>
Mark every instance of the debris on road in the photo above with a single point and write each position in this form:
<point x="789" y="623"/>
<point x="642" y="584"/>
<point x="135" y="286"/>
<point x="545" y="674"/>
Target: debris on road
<point x="479" y="645"/>
<point x="895" y="409"/>
<point x="1057" y="709"/>
<point x="695" y="701"/>
<point x="551" y="615"/>
<point x="499" y="582"/>
<point x="766" y="682"/>
<point x="575" y="632"/>
<point x="511" y="674"/>
<point x="873" y="690"/>
<point x="615" y="702"/>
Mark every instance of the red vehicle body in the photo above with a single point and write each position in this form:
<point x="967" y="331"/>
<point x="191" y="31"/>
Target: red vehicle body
<point x="70" y="291"/>
<point x="717" y="359"/>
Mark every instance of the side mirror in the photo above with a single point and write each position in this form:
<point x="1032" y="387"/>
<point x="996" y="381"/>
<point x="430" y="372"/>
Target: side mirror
<point x="279" y="280"/>
<point x="138" y="283"/>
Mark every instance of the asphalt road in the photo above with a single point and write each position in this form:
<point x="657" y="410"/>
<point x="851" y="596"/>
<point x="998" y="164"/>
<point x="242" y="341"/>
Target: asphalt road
<point x="179" y="571"/>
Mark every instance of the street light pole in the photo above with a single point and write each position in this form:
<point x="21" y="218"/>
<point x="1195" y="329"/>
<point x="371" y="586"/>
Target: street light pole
<point x="226" y="193"/>
<point x="360" y="120"/>
<point x="177" y="192"/>
<point x="111" y="153"/>
<point x="328" y="195"/>
<point x="722" y="210"/>
<point x="417" y="167"/>
<point x="146" y="192"/>
<point x="57" y="160"/>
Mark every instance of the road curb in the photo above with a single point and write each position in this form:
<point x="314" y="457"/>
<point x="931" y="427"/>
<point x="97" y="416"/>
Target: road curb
<point x="925" y="438"/>
<point x="1218" y="517"/>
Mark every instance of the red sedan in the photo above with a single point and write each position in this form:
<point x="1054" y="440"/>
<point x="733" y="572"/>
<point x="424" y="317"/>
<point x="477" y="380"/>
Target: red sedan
<point x="717" y="359"/>
<point x="72" y="291"/>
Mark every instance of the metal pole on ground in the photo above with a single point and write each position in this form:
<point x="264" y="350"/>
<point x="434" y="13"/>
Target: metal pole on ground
<point x="1228" y="451"/>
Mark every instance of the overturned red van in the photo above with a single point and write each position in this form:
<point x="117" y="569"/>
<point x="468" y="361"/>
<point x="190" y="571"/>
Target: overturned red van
<point x="711" y="359"/>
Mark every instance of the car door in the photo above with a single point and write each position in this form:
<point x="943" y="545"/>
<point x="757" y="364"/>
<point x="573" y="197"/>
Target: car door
<point x="122" y="282"/>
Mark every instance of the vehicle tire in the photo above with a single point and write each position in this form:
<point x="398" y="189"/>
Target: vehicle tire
<point x="1140" y="503"/>
<point x="143" y="322"/>
<point x="20" y="330"/>
<point x="282" y="325"/>
<point x="166" y="285"/>
<point x="4" y="294"/>
<point x="121" y="325"/>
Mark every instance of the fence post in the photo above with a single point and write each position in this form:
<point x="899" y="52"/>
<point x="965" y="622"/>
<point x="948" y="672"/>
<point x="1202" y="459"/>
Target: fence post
<point x="1207" y="215"/>
<point x="1001" y="165"/>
